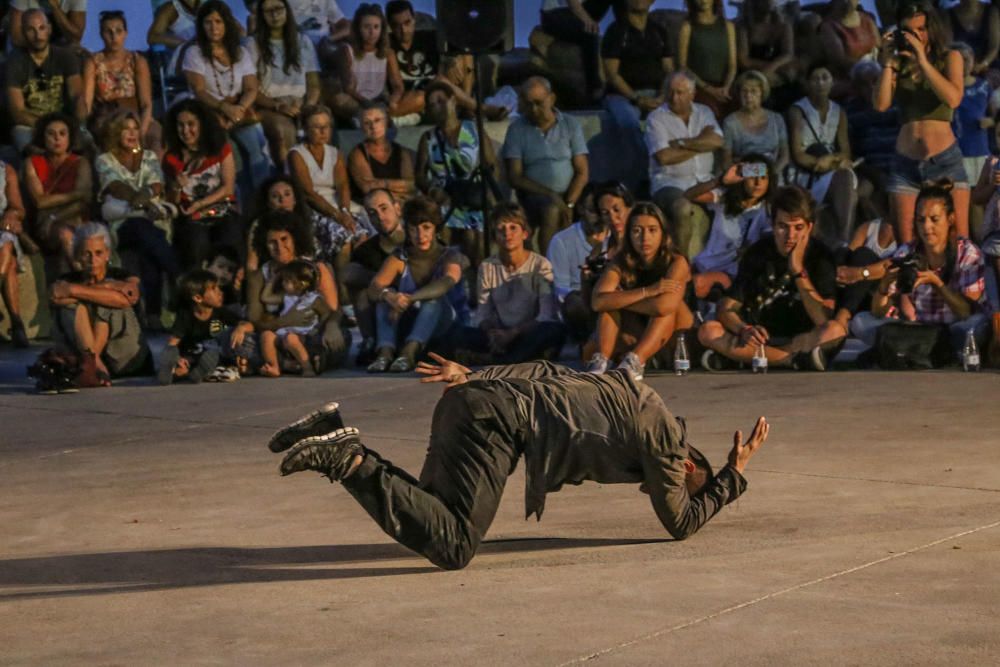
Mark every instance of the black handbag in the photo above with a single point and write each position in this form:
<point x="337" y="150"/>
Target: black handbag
<point x="912" y="346"/>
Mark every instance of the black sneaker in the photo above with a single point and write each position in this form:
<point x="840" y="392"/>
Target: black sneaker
<point x="318" y="422"/>
<point x="331" y="454"/>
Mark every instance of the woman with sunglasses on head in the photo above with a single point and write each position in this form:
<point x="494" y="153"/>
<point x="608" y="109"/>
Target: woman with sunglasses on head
<point x="925" y="79"/>
<point x="116" y="79"/>
<point x="289" y="74"/>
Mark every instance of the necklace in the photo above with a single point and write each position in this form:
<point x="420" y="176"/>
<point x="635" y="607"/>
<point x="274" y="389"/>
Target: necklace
<point x="218" y="84"/>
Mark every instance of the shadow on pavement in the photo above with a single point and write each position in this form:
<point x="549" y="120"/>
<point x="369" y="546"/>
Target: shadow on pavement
<point x="143" y="571"/>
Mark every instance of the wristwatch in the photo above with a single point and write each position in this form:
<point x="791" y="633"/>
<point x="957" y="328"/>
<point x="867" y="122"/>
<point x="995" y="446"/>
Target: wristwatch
<point x="866" y="274"/>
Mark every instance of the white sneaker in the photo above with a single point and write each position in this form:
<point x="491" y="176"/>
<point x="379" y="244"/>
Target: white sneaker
<point x="598" y="364"/>
<point x="634" y="367"/>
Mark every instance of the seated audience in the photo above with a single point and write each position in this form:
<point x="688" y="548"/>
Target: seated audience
<point x="11" y="253"/>
<point x="614" y="205"/>
<point x="174" y="28"/>
<point x="977" y="24"/>
<point x="706" y="48"/>
<point x="41" y="79"/>
<point x="116" y="79"/>
<point x="294" y="291"/>
<point x="516" y="320"/>
<point x="324" y="23"/>
<point x="59" y="187"/>
<point x="369" y="71"/>
<point x="386" y="213"/>
<point x="682" y="137"/>
<point x="639" y="298"/>
<point x="637" y="55"/>
<point x="130" y="187"/>
<point x="950" y="283"/>
<point x="92" y="309"/>
<point x="582" y="246"/>
<point x="987" y="194"/>
<point x="579" y="22"/>
<point x="203" y="335"/>
<point x="752" y="129"/>
<point x="280" y="238"/>
<point x="546" y="159"/>
<point x="872" y="135"/>
<point x="782" y="298"/>
<point x="411" y="289"/>
<point x="738" y="202"/>
<point x="448" y="170"/>
<point x="378" y="162"/>
<point x="765" y="41"/>
<point x="971" y="125"/>
<point x="319" y="171"/>
<point x="68" y="19"/>
<point x="279" y="193"/>
<point x="223" y="76"/>
<point x="288" y="72"/>
<point x="847" y="35"/>
<point x="200" y="174"/>
<point x="821" y="155"/>
<point x="229" y="274"/>
<point x="418" y="52"/>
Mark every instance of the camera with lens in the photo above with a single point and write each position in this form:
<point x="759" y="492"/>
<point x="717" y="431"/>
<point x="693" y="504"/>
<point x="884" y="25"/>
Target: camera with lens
<point x="908" y="268"/>
<point x="899" y="41"/>
<point x="597" y="263"/>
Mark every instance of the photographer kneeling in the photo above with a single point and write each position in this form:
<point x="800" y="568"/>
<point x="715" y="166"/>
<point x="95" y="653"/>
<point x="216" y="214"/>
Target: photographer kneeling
<point x="939" y="279"/>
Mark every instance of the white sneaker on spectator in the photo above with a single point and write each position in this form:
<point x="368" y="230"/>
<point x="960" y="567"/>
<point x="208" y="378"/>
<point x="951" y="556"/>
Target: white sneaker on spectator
<point x="598" y="364"/>
<point x="408" y="120"/>
<point x="634" y="367"/>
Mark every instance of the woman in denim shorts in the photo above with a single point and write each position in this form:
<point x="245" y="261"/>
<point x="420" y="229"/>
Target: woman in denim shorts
<point x="926" y="80"/>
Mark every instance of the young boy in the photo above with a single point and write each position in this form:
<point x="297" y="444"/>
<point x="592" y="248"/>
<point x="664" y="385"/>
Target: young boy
<point x="202" y="329"/>
<point x="226" y="266"/>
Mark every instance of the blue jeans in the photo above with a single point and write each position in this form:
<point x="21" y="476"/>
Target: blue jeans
<point x="630" y="161"/>
<point x="257" y="163"/>
<point x="864" y="327"/>
<point x="422" y="323"/>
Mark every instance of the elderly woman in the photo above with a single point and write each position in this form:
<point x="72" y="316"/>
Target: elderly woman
<point x="115" y="79"/>
<point x="93" y="309"/>
<point x="201" y="181"/>
<point x="950" y="283"/>
<point x="320" y="172"/>
<point x="11" y="253"/>
<point x="223" y="76"/>
<point x="752" y="129"/>
<point x="130" y="185"/>
<point x="640" y="296"/>
<point x="378" y="162"/>
<point x="59" y="186"/>
<point x="288" y="71"/>
<point x="281" y="237"/>
<point x="411" y="291"/>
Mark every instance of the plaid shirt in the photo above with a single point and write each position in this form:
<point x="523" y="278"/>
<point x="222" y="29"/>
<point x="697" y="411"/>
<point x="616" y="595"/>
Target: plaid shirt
<point x="967" y="279"/>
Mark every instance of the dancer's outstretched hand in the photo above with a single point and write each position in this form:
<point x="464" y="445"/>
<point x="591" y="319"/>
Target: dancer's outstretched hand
<point x="442" y="371"/>
<point x="741" y="452"/>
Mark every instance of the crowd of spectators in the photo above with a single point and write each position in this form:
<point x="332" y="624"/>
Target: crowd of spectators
<point x="775" y="172"/>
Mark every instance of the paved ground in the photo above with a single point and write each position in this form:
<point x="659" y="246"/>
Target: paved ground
<point x="149" y="526"/>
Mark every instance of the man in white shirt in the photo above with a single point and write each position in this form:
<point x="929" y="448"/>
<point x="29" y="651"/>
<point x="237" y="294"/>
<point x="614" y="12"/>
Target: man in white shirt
<point x="682" y="137"/>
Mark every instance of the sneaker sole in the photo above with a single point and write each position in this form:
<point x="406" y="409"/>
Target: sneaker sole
<point x="346" y="435"/>
<point x="288" y="433"/>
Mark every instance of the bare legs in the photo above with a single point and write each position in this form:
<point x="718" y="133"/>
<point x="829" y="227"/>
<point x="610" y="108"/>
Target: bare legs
<point x="269" y="344"/>
<point x="615" y="333"/>
<point x="713" y="336"/>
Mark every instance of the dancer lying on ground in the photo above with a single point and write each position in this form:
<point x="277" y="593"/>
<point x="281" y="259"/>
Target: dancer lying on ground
<point x="569" y="426"/>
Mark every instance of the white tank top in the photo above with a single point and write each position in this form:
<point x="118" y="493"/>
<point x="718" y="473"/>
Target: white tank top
<point x="825" y="132"/>
<point x="183" y="25"/>
<point x="322" y="177"/>
<point x="369" y="72"/>
<point x="871" y="242"/>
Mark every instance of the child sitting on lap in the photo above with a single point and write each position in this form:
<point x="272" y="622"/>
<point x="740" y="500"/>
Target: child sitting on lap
<point x="297" y="281"/>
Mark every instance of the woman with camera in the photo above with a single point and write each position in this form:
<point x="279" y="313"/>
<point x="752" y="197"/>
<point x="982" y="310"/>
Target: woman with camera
<point x="938" y="279"/>
<point x="925" y="79"/>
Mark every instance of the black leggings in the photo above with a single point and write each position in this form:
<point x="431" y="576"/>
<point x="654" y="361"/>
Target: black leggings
<point x="445" y="514"/>
<point x="197" y="240"/>
<point x="145" y="252"/>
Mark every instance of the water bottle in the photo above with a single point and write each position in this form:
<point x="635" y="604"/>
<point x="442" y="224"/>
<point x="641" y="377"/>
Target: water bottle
<point x="681" y="362"/>
<point x="759" y="363"/>
<point x="970" y="353"/>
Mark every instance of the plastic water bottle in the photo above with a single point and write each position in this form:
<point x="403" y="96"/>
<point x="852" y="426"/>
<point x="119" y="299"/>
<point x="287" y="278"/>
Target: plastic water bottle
<point x="682" y="364"/>
<point x="970" y="353"/>
<point x="759" y="363"/>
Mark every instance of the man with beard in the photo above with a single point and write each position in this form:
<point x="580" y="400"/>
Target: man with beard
<point x="41" y="79"/>
<point x="546" y="158"/>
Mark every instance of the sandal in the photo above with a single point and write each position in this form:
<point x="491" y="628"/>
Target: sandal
<point x="380" y="365"/>
<point x="401" y="365"/>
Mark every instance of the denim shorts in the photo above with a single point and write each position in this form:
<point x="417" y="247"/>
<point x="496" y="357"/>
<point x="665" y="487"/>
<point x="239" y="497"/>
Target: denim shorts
<point x="908" y="174"/>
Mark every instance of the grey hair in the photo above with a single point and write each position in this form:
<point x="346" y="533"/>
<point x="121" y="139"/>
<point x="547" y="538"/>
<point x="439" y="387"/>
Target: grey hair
<point x="88" y="231"/>
<point x="31" y="12"/>
<point x="536" y="81"/>
<point x="683" y="73"/>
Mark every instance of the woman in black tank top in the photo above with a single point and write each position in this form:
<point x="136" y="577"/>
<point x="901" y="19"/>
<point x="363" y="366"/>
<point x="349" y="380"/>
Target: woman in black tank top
<point x="377" y="163"/>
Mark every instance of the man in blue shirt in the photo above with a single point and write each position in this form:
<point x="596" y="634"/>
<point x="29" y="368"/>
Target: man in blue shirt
<point x="546" y="160"/>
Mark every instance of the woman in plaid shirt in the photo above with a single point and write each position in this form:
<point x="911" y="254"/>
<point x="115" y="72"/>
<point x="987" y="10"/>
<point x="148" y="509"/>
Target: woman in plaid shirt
<point x="950" y="287"/>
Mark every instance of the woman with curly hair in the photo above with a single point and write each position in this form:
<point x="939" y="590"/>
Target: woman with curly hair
<point x="639" y="298"/>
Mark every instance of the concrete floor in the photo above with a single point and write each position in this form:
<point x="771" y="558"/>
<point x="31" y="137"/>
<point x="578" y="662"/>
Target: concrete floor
<point x="147" y="525"/>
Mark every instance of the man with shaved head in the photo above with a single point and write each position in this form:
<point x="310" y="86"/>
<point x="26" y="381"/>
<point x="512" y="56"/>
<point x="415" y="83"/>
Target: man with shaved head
<point x="546" y="159"/>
